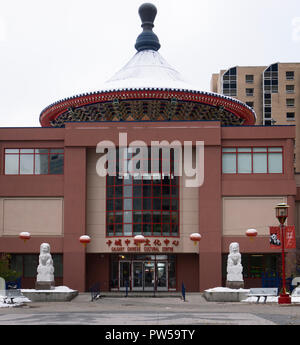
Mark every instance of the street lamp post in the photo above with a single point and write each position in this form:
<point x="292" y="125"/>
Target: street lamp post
<point x="281" y="215"/>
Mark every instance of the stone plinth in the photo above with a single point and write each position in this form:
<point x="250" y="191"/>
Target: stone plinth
<point x="44" y="285"/>
<point x="235" y="284"/>
<point x="225" y="294"/>
<point x="57" y="294"/>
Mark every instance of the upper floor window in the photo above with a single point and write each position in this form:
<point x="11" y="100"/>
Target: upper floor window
<point x="290" y="116"/>
<point x="289" y="75"/>
<point x="145" y="204"/>
<point x="249" y="78"/>
<point x="290" y="88"/>
<point x="252" y="160"/>
<point x="270" y="75"/>
<point x="250" y="104"/>
<point x="34" y="161"/>
<point x="229" y="82"/>
<point x="249" y="92"/>
<point x="290" y="102"/>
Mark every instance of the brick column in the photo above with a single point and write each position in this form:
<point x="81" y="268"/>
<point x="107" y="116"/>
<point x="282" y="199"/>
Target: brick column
<point x="210" y="221"/>
<point x="74" y="218"/>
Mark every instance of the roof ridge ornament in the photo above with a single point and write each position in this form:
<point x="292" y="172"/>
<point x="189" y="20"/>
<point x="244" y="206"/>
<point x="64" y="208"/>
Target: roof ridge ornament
<point x="147" y="40"/>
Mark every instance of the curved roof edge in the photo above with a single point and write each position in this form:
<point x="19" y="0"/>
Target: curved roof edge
<point x="235" y="105"/>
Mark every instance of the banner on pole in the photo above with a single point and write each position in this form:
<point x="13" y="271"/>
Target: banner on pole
<point x="289" y="237"/>
<point x="275" y="237"/>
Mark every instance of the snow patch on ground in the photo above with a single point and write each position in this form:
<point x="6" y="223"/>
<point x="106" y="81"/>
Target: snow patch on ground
<point x="18" y="301"/>
<point x="56" y="289"/>
<point x="270" y="299"/>
<point x="225" y="289"/>
<point x="252" y="299"/>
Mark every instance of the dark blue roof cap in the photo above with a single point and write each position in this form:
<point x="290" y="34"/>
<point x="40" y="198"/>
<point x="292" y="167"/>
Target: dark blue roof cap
<point x="147" y="39"/>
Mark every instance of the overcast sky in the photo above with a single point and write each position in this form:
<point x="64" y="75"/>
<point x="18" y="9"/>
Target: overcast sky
<point x="54" y="49"/>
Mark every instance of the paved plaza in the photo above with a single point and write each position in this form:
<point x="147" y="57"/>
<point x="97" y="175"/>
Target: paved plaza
<point x="159" y="311"/>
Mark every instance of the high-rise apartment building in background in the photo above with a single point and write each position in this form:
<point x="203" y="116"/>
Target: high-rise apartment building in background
<point x="272" y="91"/>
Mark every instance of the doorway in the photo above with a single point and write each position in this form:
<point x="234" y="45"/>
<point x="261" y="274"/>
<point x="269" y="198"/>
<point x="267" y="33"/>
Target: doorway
<point x="143" y="275"/>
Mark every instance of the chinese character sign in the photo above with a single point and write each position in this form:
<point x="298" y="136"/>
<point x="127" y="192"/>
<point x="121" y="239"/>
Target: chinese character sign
<point x="290" y="239"/>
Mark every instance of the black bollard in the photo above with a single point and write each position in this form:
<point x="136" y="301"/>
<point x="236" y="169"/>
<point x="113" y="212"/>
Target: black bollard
<point x="183" y="291"/>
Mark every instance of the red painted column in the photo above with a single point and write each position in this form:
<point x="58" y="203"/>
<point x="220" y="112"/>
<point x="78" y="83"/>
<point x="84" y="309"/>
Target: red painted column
<point x="74" y="218"/>
<point x="210" y="221"/>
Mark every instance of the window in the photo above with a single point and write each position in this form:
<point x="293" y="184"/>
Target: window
<point x="255" y="160"/>
<point x="249" y="78"/>
<point x="229" y="163"/>
<point x="256" y="265"/>
<point x="270" y="77"/>
<point x="260" y="162"/>
<point x="249" y="92"/>
<point x="34" y="161"/>
<point x="26" y="264"/>
<point x="250" y="104"/>
<point x="290" y="88"/>
<point x="244" y="160"/>
<point x="289" y="75"/>
<point x="290" y="102"/>
<point x="145" y="204"/>
<point x="270" y="85"/>
<point x="229" y="82"/>
<point x="290" y="116"/>
<point x="268" y="122"/>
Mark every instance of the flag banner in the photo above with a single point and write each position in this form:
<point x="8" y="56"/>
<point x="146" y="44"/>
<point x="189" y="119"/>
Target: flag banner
<point x="289" y="238"/>
<point x="275" y="237"/>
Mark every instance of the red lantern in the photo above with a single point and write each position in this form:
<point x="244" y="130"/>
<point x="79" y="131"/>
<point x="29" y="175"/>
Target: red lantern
<point x="251" y="233"/>
<point x="84" y="239"/>
<point x="24" y="236"/>
<point x="138" y="239"/>
<point x="196" y="237"/>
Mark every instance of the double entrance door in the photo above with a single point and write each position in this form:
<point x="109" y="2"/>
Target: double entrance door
<point x="143" y="275"/>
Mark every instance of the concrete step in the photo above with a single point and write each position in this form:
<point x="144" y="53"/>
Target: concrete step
<point x="141" y="294"/>
<point x="120" y="294"/>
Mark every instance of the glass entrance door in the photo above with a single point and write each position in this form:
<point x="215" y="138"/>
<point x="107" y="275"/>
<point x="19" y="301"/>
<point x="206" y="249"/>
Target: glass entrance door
<point x="149" y="276"/>
<point x="137" y="275"/>
<point x="125" y="275"/>
<point x="162" y="276"/>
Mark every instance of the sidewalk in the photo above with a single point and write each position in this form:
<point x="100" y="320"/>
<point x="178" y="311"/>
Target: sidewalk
<point x="145" y="310"/>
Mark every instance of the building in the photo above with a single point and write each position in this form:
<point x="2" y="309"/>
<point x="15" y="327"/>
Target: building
<point x="272" y="91"/>
<point x="52" y="185"/>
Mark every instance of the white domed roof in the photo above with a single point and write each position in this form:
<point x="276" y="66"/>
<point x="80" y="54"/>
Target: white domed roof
<point x="147" y="69"/>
